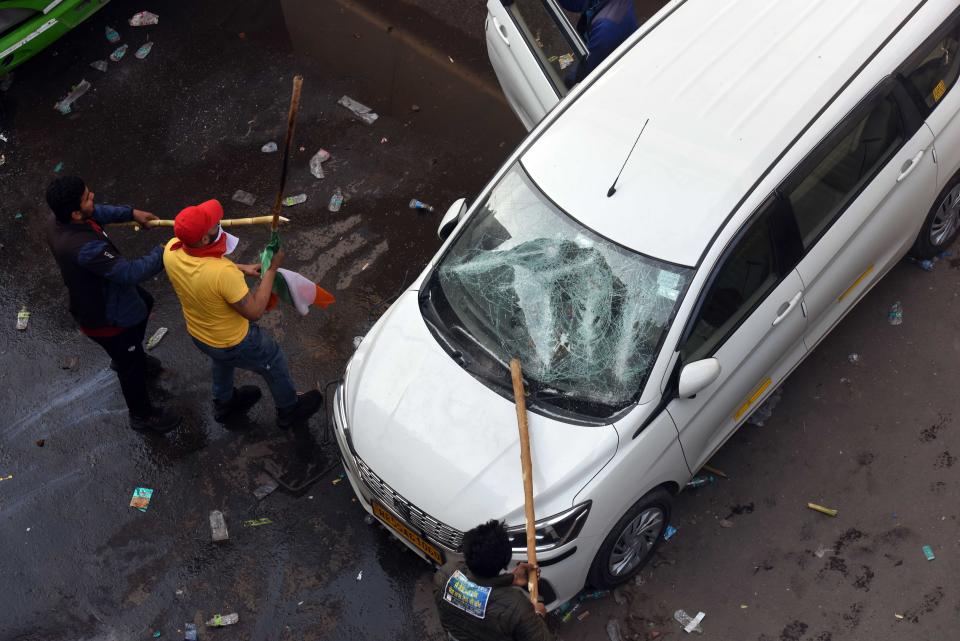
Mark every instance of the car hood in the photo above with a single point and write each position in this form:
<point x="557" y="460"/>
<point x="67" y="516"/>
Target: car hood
<point x="446" y="442"/>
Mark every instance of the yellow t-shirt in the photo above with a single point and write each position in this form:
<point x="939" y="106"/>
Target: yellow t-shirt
<point x="206" y="287"/>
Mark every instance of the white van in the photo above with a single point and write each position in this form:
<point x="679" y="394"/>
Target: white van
<point x="791" y="153"/>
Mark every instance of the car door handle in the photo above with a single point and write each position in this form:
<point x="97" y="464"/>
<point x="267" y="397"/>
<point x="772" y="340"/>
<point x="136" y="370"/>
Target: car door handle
<point x="909" y="166"/>
<point x="501" y="30"/>
<point x="786" y="308"/>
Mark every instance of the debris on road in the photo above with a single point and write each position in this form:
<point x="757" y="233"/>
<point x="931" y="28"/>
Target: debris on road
<point x="701" y="480"/>
<point x="221" y="620"/>
<point x="99" y="65"/>
<point x="6" y="478"/>
<point x="359" y="110"/>
<point x="895" y="315"/>
<point x="336" y="200"/>
<point x="928" y="552"/>
<point x="189" y="632"/>
<point x="40" y="442"/>
<point x="823" y="510"/>
<point x="143" y="19"/>
<point x="244" y="197"/>
<point x="726" y="523"/>
<point x="339" y="478"/>
<point x="218" y="526"/>
<point x="290" y="201"/>
<point x="669" y="532"/>
<point x="144" y="50"/>
<point x="854" y="358"/>
<point x="929" y="264"/>
<point x="619" y="597"/>
<point x="690" y="624"/>
<point x="613" y="630"/>
<point x="265" y="490"/>
<point x="157" y="634"/>
<point x="69" y="362"/>
<point x="356" y="341"/>
<point x="384" y="140"/>
<point x="897" y="615"/>
<point x="112" y="35"/>
<point x="156" y="338"/>
<point x="65" y="104"/>
<point x="119" y="53"/>
<point x="141" y="498"/>
<point x="583" y="615"/>
<point x="368" y="520"/>
<point x="316" y="163"/>
<point x="269" y="148"/>
<point x="18" y="215"/>
<point x="360" y="576"/>
<point x="717" y="472"/>
<point x="416" y="204"/>
<point x="257" y="522"/>
<point x="58" y="167"/>
<point x="23" y="317"/>
<point x="822" y="552"/>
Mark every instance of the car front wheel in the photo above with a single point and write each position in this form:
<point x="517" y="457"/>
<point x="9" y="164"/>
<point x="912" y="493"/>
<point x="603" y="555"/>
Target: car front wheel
<point x="942" y="223"/>
<point x="632" y="541"/>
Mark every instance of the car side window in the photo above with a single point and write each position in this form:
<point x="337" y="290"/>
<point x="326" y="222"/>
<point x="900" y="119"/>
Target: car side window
<point x="934" y="70"/>
<point x="837" y="171"/>
<point x="748" y="274"/>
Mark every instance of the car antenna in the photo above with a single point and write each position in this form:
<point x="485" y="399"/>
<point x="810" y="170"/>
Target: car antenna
<point x="613" y="187"/>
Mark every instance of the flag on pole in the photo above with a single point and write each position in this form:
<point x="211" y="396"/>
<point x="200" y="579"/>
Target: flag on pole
<point x="291" y="287"/>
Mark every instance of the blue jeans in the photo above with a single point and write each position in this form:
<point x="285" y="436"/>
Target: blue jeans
<point x="259" y="353"/>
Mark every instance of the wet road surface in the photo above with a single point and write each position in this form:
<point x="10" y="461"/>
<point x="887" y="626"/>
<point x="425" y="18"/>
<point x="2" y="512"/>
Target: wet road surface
<point x="876" y="438"/>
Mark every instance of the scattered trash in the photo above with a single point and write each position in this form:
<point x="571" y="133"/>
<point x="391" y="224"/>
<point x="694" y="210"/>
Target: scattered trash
<point x="99" y="65"/>
<point x="189" y="632"/>
<point x="23" y="317"/>
<point x="221" y="620"/>
<point x="18" y="215"/>
<point x="119" y="53"/>
<point x="218" y="526"/>
<point x="316" y="163"/>
<point x="690" y="624"/>
<point x="336" y="200"/>
<point x="416" y="204"/>
<point x="244" y="197"/>
<point x="265" y="490"/>
<point x="928" y="552"/>
<point x="339" y="478"/>
<point x="726" y="523"/>
<point x="112" y="35"/>
<point x="669" y="532"/>
<point x="926" y="264"/>
<point x="368" y="520"/>
<point x="765" y="411"/>
<point x="257" y="522"/>
<point x="143" y="50"/>
<point x="619" y="597"/>
<point x="143" y="19"/>
<point x="384" y="140"/>
<point x="565" y="60"/>
<point x="895" y="315"/>
<point x="613" y="630"/>
<point x="701" y="479"/>
<point x="6" y="478"/>
<point x="69" y="362"/>
<point x="40" y="442"/>
<point x="824" y="510"/>
<point x="58" y="167"/>
<point x="290" y="201"/>
<point x="898" y="616"/>
<point x="3" y="160"/>
<point x="360" y="576"/>
<point x="269" y="148"/>
<point x="583" y="615"/>
<point x="141" y="498"/>
<point x="157" y="634"/>
<point x="822" y="552"/>
<point x="3" y="138"/>
<point x="713" y="470"/>
<point x="414" y="108"/>
<point x="359" y="110"/>
<point x="854" y="358"/>
<point x="356" y="341"/>
<point x="156" y="338"/>
<point x="65" y="104"/>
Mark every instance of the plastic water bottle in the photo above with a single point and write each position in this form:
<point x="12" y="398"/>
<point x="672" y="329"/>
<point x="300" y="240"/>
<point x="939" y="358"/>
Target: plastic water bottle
<point x="416" y="204"/>
<point x="703" y="479"/>
<point x="23" y="317"/>
<point x="895" y="315"/>
<point x="686" y="620"/>
<point x="336" y="200"/>
<point x="218" y="526"/>
<point x="112" y="36"/>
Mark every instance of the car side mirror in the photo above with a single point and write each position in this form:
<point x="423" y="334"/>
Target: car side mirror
<point x="696" y="376"/>
<point x="452" y="217"/>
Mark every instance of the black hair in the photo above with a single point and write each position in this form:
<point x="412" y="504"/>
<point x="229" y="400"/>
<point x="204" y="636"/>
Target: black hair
<point x="64" y="196"/>
<point x="487" y="550"/>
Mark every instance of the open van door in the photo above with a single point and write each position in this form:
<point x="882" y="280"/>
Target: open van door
<point x="532" y="46"/>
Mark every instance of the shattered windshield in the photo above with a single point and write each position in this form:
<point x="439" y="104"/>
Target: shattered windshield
<point x="584" y="316"/>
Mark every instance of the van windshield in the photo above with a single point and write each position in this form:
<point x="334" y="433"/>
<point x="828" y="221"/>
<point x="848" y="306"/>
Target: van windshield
<point x="585" y="316"/>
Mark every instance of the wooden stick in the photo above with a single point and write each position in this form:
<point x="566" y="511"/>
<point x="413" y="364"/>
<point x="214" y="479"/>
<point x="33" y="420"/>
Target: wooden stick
<point x="526" y="464"/>
<point x="291" y="124"/>
<point x="226" y="222"/>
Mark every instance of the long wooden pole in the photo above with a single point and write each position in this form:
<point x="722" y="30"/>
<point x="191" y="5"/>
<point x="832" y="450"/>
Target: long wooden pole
<point x="291" y="125"/>
<point x="226" y="222"/>
<point x="526" y="465"/>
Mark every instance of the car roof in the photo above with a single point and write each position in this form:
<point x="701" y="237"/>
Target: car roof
<point x="726" y="85"/>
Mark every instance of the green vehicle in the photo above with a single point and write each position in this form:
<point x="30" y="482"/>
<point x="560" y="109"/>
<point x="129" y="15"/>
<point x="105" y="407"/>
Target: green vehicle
<point x="27" y="27"/>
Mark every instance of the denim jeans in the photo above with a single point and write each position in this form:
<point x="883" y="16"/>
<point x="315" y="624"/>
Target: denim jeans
<point x="259" y="353"/>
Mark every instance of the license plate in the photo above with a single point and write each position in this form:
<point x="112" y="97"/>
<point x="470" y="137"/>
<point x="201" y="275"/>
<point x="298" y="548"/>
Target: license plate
<point x="408" y="533"/>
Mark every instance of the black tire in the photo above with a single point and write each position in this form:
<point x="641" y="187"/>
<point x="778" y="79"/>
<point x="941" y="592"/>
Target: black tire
<point x="600" y="575"/>
<point x="931" y="241"/>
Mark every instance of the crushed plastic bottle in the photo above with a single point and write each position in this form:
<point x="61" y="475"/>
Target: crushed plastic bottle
<point x="689" y="623"/>
<point x="111" y="34"/>
<point x="99" y="65"/>
<point x="143" y="19"/>
<point x="316" y="163"/>
<point x="244" y="197"/>
<point x="220" y="620"/>
<point x="290" y="201"/>
<point x="269" y="148"/>
<point x="218" y="526"/>
<point x="190" y="632"/>
<point x="336" y="200"/>
<point x="701" y="480"/>
<point x="895" y="315"/>
<point x="23" y="317"/>
<point x="119" y="53"/>
<point x="144" y="50"/>
<point x="416" y="204"/>
<point x="156" y="338"/>
<point x="359" y="110"/>
<point x="65" y="104"/>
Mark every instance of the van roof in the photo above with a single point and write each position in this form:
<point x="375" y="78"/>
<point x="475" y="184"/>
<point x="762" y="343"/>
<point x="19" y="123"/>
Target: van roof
<point x="726" y="86"/>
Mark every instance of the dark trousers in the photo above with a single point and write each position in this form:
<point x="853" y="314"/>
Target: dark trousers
<point x="126" y="350"/>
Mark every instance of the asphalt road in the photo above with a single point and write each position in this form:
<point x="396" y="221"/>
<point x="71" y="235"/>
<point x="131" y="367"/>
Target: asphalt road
<point x="875" y="438"/>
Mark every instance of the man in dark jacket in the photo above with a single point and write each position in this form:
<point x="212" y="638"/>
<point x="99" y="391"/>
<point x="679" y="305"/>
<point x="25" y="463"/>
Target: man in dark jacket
<point x="478" y="603"/>
<point x="603" y="26"/>
<point x="105" y="297"/>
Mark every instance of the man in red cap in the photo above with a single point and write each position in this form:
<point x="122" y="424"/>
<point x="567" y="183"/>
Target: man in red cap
<point x="218" y="307"/>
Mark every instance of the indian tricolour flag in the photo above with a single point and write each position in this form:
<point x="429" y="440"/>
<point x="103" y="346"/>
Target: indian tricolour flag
<point x="291" y="287"/>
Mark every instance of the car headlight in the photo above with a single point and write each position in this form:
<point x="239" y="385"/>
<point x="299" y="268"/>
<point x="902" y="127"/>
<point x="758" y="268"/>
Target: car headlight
<point x="552" y="532"/>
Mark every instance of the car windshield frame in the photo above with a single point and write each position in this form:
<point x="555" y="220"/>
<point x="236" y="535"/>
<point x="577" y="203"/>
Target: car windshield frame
<point x="523" y="277"/>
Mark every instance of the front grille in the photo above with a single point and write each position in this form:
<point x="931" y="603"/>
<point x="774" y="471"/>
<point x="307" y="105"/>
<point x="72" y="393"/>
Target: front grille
<point x="439" y="533"/>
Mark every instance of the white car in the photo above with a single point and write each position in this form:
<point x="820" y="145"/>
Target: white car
<point x="791" y="153"/>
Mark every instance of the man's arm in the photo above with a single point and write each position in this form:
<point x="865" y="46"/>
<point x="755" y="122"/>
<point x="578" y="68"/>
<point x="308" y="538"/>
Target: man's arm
<point x="254" y="304"/>
<point x="96" y="257"/>
<point x="107" y="214"/>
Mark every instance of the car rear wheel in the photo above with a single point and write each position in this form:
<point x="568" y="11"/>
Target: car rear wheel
<point x="632" y="541"/>
<point x="942" y="224"/>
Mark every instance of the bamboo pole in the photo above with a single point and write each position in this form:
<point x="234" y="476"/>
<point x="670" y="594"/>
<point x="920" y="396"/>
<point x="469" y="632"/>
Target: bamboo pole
<point x="226" y="222"/>
<point x="526" y="465"/>
<point x="291" y="125"/>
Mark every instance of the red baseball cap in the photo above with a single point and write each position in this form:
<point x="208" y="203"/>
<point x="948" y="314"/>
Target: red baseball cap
<point x="196" y="220"/>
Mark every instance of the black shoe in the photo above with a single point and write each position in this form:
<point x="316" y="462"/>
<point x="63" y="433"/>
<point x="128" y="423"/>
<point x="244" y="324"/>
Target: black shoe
<point x="243" y="399"/>
<point x="153" y="365"/>
<point x="156" y="421"/>
<point x="307" y="405"/>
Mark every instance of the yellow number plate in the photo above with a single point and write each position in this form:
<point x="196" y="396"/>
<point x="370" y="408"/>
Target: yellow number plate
<point x="408" y="533"/>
